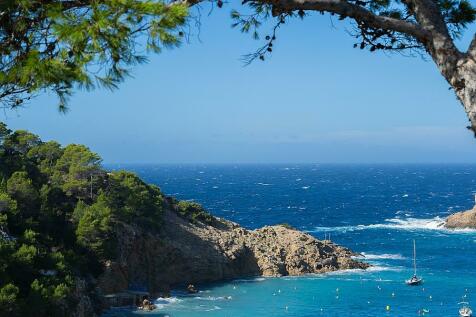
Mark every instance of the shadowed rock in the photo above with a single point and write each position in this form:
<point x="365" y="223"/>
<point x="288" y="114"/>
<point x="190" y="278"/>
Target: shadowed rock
<point x="186" y="252"/>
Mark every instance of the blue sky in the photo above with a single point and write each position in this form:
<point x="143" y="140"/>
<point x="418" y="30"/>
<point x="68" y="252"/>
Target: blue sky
<point x="316" y="99"/>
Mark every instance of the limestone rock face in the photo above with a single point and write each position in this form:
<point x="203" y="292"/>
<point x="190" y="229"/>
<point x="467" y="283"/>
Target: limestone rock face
<point x="185" y="252"/>
<point x="462" y="220"/>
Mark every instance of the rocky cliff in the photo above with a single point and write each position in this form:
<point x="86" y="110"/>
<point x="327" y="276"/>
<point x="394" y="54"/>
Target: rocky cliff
<point x="194" y="252"/>
<point x="462" y="220"/>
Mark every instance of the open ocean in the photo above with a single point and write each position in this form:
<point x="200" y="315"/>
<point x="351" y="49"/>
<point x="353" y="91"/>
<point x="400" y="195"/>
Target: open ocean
<point x="375" y="210"/>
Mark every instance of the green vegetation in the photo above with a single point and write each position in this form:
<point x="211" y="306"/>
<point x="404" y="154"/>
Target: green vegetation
<point x="61" y="45"/>
<point x="195" y="212"/>
<point x="58" y="212"/>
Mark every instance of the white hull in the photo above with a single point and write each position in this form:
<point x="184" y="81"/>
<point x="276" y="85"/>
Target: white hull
<point x="465" y="312"/>
<point x="414" y="282"/>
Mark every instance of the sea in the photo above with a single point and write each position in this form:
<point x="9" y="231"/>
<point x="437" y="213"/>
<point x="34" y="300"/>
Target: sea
<point x="376" y="210"/>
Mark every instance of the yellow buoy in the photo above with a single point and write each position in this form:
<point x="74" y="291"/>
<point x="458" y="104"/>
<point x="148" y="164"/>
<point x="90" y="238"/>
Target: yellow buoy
<point x="387" y="308"/>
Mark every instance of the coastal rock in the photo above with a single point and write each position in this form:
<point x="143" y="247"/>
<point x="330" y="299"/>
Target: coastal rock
<point x="85" y="306"/>
<point x="462" y="220"/>
<point x="193" y="252"/>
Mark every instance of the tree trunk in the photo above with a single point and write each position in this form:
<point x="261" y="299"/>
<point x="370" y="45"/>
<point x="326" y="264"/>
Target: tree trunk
<point x="465" y="88"/>
<point x="458" y="68"/>
<point x="460" y="72"/>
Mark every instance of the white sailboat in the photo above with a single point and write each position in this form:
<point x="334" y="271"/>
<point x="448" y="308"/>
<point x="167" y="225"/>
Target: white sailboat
<point x="465" y="310"/>
<point x="414" y="280"/>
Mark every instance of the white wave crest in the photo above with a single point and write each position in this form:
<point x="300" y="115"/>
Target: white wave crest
<point x="372" y="269"/>
<point x="414" y="224"/>
<point x="162" y="302"/>
<point x="385" y="256"/>
<point x="379" y="268"/>
<point x="167" y="300"/>
<point x="250" y="280"/>
<point x="213" y="298"/>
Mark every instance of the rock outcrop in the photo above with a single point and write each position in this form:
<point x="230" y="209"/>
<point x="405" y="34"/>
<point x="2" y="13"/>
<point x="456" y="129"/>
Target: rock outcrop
<point x="462" y="220"/>
<point x="193" y="252"/>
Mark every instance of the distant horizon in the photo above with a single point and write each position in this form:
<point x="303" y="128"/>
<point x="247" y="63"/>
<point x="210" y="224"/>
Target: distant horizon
<point x="105" y="164"/>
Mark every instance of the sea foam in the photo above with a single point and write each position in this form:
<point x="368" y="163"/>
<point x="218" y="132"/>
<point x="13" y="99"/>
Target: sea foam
<point x="168" y="300"/>
<point x="385" y="256"/>
<point x="164" y="302"/>
<point x="372" y="269"/>
<point x="411" y="224"/>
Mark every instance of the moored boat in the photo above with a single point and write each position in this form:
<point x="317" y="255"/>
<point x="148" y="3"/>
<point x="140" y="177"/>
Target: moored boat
<point x="414" y="280"/>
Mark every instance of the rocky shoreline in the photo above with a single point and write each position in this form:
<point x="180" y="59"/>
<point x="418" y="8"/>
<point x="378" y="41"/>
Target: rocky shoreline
<point x="187" y="252"/>
<point x="462" y="220"/>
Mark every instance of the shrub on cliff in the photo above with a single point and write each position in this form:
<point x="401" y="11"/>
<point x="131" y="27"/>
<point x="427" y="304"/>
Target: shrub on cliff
<point x="135" y="201"/>
<point x="195" y="212"/>
<point x="94" y="227"/>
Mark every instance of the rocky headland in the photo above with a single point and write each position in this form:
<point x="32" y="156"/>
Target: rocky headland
<point x="187" y="251"/>
<point x="462" y="220"/>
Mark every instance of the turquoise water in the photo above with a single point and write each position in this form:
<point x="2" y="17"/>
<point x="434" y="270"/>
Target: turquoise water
<point x="375" y="210"/>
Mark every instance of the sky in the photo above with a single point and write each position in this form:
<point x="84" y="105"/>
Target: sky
<point x="315" y="100"/>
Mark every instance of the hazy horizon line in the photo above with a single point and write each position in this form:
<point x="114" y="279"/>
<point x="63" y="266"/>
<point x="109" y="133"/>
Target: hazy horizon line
<point x="290" y="163"/>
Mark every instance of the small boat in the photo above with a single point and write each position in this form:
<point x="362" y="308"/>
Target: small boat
<point x="465" y="310"/>
<point x="414" y="280"/>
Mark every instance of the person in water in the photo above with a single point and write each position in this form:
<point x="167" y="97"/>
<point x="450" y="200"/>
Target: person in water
<point x="147" y="305"/>
<point x="191" y="289"/>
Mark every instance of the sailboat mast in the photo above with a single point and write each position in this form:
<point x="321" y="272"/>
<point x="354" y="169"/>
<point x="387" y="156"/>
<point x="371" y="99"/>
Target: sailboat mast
<point x="414" y="256"/>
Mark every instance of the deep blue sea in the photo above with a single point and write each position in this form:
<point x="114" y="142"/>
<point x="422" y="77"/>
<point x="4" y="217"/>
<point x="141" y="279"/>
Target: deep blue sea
<point x="376" y="210"/>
